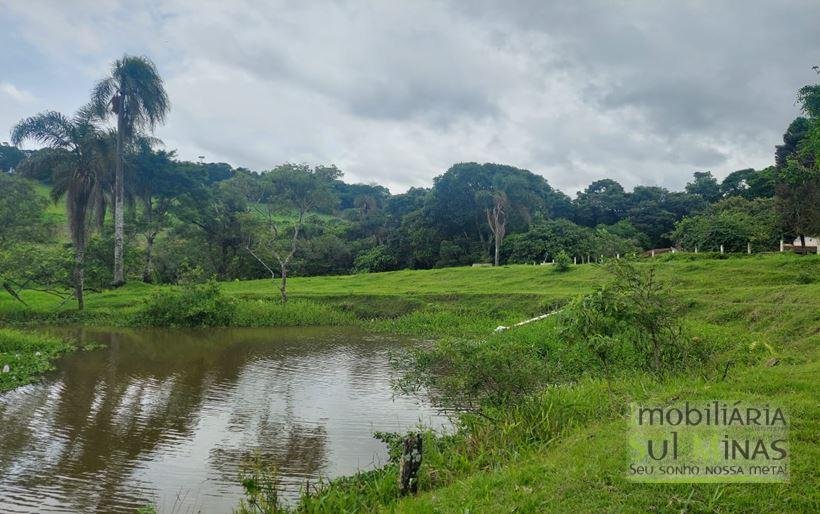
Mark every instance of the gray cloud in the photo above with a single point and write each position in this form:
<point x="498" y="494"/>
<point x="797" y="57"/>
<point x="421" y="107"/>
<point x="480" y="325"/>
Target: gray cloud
<point x="396" y="92"/>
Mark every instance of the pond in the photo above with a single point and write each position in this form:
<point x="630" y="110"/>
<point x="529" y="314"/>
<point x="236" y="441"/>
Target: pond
<point x="170" y="416"/>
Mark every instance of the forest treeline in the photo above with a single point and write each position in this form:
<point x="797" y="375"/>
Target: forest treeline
<point x="188" y="221"/>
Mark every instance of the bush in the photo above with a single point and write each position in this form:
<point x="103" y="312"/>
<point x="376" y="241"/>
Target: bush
<point x="468" y="375"/>
<point x="200" y="305"/>
<point x="562" y="261"/>
<point x="635" y="311"/>
<point x="375" y="259"/>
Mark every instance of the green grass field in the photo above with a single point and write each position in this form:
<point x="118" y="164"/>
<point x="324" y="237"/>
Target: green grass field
<point x="560" y="449"/>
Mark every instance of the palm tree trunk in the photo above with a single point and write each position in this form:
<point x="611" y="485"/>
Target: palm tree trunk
<point x="119" y="193"/>
<point x="79" y="277"/>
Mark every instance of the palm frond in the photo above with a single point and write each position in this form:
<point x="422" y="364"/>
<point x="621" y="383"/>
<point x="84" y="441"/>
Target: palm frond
<point x="79" y="158"/>
<point x="146" y="100"/>
<point x="101" y="96"/>
<point x="49" y="128"/>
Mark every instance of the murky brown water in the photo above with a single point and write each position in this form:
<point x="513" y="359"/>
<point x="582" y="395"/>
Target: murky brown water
<point x="169" y="416"/>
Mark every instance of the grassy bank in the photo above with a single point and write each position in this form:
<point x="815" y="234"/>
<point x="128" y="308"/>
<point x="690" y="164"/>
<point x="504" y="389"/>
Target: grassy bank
<point x="452" y="301"/>
<point x="24" y="356"/>
<point x="563" y="449"/>
<point x="549" y="448"/>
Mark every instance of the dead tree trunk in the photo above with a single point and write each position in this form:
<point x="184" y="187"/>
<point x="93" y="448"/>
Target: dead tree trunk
<point x="283" y="289"/>
<point x="497" y="219"/>
<point x="284" y="262"/>
<point x="409" y="464"/>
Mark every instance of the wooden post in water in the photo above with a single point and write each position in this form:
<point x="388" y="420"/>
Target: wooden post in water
<point x="410" y="464"/>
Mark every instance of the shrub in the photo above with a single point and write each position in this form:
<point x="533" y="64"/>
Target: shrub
<point x="262" y="486"/>
<point x="635" y="311"/>
<point x="375" y="259"/>
<point x="196" y="305"/>
<point x="562" y="261"/>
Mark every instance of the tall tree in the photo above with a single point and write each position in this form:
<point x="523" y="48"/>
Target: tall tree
<point x="293" y="191"/>
<point x="157" y="181"/>
<point x="21" y="211"/>
<point x="798" y="172"/>
<point x="496" y="212"/>
<point x="456" y="208"/>
<point x="78" y="161"/>
<point x="135" y="94"/>
<point x="704" y="185"/>
<point x="213" y="212"/>
<point x="10" y="157"/>
<point x="603" y="202"/>
<point x="797" y="131"/>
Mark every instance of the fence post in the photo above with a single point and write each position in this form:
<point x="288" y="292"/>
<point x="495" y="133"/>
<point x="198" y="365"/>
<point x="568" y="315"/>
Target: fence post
<point x="781" y="244"/>
<point x="696" y="249"/>
<point x="575" y="260"/>
<point x="721" y="249"/>
<point x="653" y="252"/>
<point x="617" y="256"/>
<point x="749" y="248"/>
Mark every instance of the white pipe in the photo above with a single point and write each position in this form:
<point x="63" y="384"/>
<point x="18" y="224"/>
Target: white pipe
<point x="502" y="328"/>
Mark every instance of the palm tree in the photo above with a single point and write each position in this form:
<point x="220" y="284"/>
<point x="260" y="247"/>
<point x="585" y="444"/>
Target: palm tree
<point x="77" y="158"/>
<point x="135" y="93"/>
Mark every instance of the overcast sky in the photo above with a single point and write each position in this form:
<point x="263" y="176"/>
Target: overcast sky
<point x="645" y="92"/>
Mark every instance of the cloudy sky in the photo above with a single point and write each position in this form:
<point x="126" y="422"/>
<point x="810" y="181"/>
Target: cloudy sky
<point x="395" y="92"/>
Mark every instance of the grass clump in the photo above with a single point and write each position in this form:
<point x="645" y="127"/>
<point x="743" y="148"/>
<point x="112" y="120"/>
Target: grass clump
<point x="24" y="356"/>
<point x="198" y="305"/>
<point x="295" y="313"/>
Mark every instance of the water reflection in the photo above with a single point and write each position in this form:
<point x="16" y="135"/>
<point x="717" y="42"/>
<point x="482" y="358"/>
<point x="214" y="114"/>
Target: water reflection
<point x="168" y="416"/>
